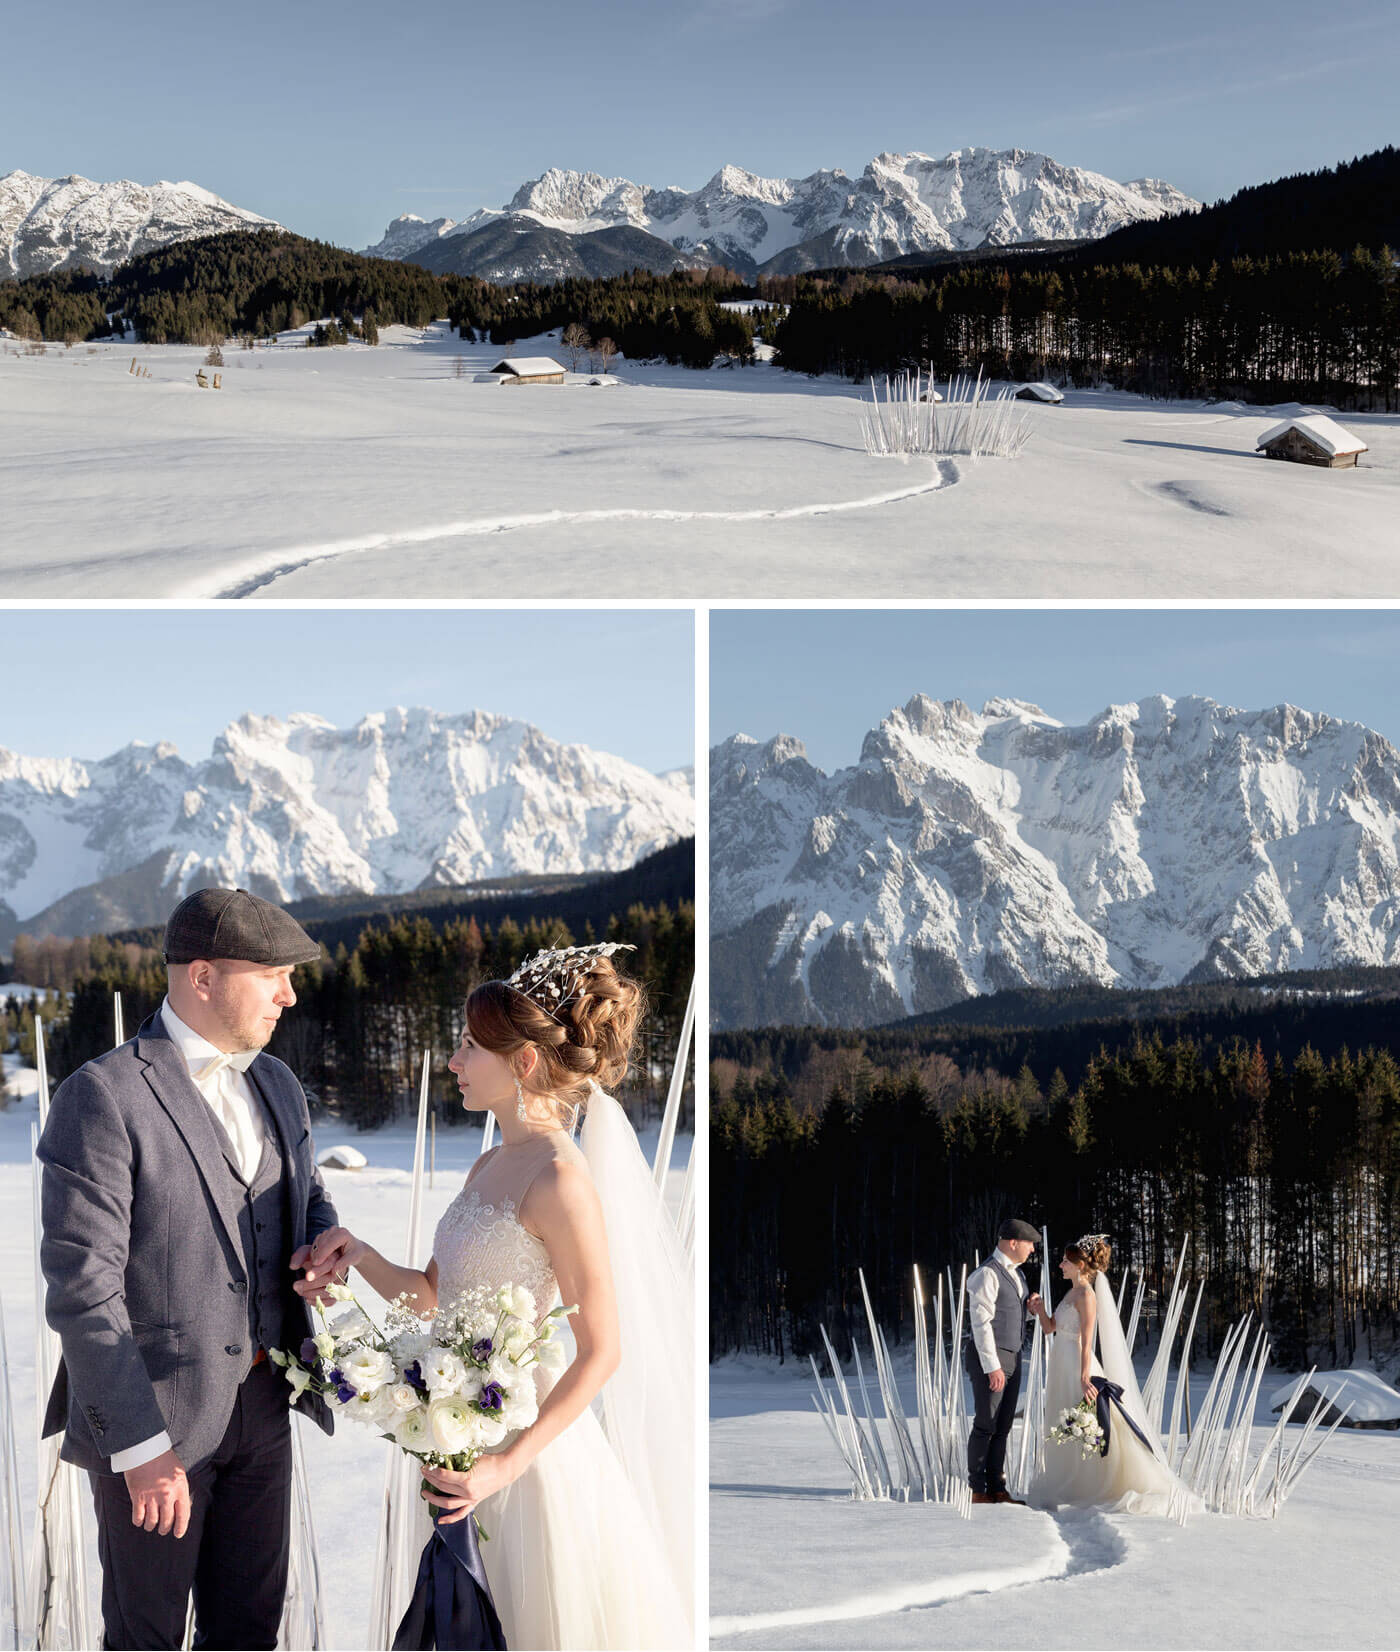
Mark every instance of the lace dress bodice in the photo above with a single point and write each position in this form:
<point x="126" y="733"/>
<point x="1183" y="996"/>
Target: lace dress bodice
<point x="480" y="1243"/>
<point x="1067" y="1317"/>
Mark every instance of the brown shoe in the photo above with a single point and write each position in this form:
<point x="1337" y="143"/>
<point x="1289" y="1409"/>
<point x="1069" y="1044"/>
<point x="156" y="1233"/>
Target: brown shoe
<point x="983" y="1497"/>
<point x="1004" y="1496"/>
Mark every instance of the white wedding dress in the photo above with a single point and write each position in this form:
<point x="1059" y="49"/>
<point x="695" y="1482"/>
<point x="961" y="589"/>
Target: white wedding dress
<point x="572" y="1559"/>
<point x="1131" y="1478"/>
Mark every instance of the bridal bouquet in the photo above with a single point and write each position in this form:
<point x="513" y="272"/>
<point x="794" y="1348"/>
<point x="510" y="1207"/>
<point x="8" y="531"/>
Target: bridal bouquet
<point x="443" y="1391"/>
<point x="1079" y="1425"/>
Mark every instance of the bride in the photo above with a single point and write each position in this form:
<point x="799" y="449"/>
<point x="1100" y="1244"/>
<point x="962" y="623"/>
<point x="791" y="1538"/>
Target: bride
<point x="589" y="1521"/>
<point x="1133" y="1477"/>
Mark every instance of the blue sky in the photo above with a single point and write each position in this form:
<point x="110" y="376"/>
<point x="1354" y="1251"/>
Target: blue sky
<point x="828" y="676"/>
<point x="335" y="121"/>
<point x="94" y="680"/>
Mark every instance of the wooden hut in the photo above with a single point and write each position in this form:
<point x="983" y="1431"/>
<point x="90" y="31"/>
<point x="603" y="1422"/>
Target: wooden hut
<point x="1038" y="392"/>
<point x="1313" y="439"/>
<point x="528" y="370"/>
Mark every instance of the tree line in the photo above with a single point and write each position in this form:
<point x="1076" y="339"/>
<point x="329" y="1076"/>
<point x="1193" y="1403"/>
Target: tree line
<point x="1285" y="1174"/>
<point x="366" y="1013"/>
<point x="1315" y="325"/>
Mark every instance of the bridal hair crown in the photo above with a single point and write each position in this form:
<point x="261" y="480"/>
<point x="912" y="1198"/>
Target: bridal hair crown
<point x="551" y="979"/>
<point x="1090" y="1242"/>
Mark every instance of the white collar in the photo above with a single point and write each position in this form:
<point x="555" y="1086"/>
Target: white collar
<point x="1008" y="1264"/>
<point x="196" y="1051"/>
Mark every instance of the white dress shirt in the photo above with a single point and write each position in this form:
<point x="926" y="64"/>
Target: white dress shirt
<point x="981" y="1302"/>
<point x="223" y="1082"/>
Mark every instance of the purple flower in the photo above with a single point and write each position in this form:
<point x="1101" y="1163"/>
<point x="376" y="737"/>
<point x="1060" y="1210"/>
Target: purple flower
<point x="345" y="1393"/>
<point x="482" y="1350"/>
<point x="333" y="1377"/>
<point x="309" y="1351"/>
<point x="413" y="1376"/>
<point x="491" y="1398"/>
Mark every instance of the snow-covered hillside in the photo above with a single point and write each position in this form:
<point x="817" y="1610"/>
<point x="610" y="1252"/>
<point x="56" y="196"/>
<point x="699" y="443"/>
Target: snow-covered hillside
<point x="967" y="852"/>
<point x="900" y="204"/>
<point x="404" y="800"/>
<point x="61" y="223"/>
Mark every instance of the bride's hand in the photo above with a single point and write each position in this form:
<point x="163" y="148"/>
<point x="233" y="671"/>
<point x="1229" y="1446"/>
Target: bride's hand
<point x="460" y="1493"/>
<point x="1091" y="1390"/>
<point x="327" y="1260"/>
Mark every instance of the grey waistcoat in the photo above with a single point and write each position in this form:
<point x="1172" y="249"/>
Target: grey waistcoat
<point x="262" y="1222"/>
<point x="1009" y="1311"/>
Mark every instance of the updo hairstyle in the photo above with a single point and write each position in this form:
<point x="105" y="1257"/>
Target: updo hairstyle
<point x="1093" y="1255"/>
<point x="588" y="1041"/>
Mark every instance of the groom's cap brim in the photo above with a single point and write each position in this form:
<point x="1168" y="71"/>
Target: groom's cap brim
<point x="1015" y="1228"/>
<point x="232" y="924"/>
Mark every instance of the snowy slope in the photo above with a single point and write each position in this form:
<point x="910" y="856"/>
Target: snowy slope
<point x="969" y="852"/>
<point x="404" y="800"/>
<point x="60" y="223"/>
<point x="900" y="204"/>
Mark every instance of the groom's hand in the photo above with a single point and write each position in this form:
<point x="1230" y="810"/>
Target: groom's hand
<point x="160" y="1495"/>
<point x="327" y="1260"/>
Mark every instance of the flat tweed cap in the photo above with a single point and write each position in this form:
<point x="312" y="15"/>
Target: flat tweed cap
<point x="1015" y="1228"/>
<point x="231" y="923"/>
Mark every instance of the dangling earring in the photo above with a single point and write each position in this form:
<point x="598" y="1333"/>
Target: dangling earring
<point x="520" y="1110"/>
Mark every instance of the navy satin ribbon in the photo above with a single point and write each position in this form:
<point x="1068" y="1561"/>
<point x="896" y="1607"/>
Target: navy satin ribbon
<point x="1107" y="1395"/>
<point x="451" y="1606"/>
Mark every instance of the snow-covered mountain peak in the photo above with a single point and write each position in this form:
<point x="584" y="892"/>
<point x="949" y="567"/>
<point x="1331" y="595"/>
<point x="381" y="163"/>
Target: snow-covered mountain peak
<point x="51" y="224"/>
<point x="1164" y="839"/>
<point x="405" y="798"/>
<point x="900" y="203"/>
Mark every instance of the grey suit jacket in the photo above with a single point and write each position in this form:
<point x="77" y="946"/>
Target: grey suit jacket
<point x="146" y="1283"/>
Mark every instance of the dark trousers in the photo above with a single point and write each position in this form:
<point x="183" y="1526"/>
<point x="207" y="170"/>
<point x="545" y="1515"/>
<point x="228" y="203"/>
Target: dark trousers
<point x="234" y="1555"/>
<point x="991" y="1423"/>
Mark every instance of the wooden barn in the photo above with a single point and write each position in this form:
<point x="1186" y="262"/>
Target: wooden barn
<point x="1038" y="392"/>
<point x="528" y="370"/>
<point x="1313" y="439"/>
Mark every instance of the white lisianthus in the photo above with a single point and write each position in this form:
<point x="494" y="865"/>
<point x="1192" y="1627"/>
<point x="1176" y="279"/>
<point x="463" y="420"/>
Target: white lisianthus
<point x="349" y="1325"/>
<point x="490" y="1431"/>
<point x="516" y="1336"/>
<point x="411" y="1430"/>
<point x="404" y="1397"/>
<point x="411" y="1346"/>
<point x="325" y="1344"/>
<point x="277" y="1356"/>
<point x="299" y="1377"/>
<point x="367" y="1369"/>
<point x="374" y="1409"/>
<point x="452" y="1425"/>
<point x="504" y="1297"/>
<point x="552" y="1355"/>
<point x="341" y="1293"/>
<point x="443" y="1372"/>
<point x="522" y="1304"/>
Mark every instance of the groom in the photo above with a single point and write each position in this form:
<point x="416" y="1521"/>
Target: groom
<point x="179" y="1196"/>
<point x="998" y="1308"/>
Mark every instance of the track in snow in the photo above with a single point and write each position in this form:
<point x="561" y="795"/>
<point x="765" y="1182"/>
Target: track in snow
<point x="1085" y="1543"/>
<point x="945" y="474"/>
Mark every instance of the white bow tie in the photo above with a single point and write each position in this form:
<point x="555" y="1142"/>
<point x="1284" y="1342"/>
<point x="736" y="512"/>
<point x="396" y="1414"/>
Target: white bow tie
<point x="240" y="1061"/>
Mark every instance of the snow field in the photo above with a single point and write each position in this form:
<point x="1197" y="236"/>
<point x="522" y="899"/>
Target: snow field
<point x="795" y="1563"/>
<point x="345" y="1473"/>
<point x="381" y="472"/>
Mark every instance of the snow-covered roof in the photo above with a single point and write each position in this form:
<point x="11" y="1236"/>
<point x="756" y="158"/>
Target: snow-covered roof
<point x="1318" y="428"/>
<point x="528" y="366"/>
<point x="1371" y="1399"/>
<point x="1041" y="391"/>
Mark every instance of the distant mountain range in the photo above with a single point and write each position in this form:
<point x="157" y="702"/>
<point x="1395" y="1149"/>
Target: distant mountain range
<point x="779" y="226"/>
<point x="968" y="852"/>
<point x="291" y="809"/>
<point x="49" y="224"/>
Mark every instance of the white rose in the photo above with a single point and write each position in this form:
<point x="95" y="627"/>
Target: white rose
<point x="404" y="1398"/>
<point x="451" y="1425"/>
<point x="442" y="1371"/>
<point x="490" y="1431"/>
<point x="410" y="1430"/>
<point x="367" y="1369"/>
